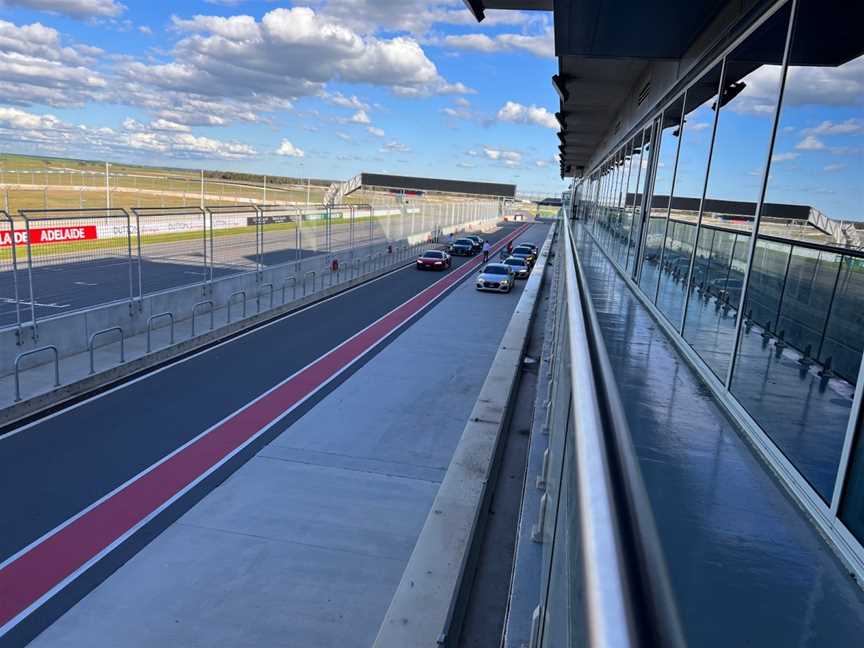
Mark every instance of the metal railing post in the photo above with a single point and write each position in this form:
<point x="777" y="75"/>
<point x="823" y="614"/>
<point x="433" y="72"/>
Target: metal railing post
<point x="195" y="307"/>
<point x="312" y="272"/>
<point x="232" y="296"/>
<point x="20" y="356"/>
<point x="129" y="255"/>
<point x="140" y="268"/>
<point x="92" y="347"/>
<point x="30" y="276"/>
<point x="167" y="314"/>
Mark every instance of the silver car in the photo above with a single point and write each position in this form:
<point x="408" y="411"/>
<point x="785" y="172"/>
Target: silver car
<point x="496" y="277"/>
<point x="520" y="266"/>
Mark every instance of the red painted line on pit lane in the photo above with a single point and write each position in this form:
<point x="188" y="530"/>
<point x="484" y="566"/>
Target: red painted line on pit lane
<point x="46" y="564"/>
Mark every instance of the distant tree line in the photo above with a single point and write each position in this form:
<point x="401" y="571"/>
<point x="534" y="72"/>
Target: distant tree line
<point x="258" y="179"/>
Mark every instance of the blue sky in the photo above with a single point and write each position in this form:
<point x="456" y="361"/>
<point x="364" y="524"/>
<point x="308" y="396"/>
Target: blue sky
<point x="321" y="88"/>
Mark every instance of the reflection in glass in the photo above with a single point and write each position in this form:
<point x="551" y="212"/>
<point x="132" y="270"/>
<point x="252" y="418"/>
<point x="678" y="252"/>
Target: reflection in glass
<point x="642" y="181"/>
<point x="738" y="159"/>
<point x="695" y="134"/>
<point x="800" y="346"/>
<point x="663" y="186"/>
<point x="851" y="509"/>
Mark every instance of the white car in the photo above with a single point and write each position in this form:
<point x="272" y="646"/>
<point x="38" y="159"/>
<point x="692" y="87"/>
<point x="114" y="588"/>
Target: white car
<point x="520" y="266"/>
<point x="496" y="277"/>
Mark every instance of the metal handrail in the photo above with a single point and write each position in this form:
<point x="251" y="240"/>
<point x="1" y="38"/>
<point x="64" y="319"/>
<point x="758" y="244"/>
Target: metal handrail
<point x="150" y="319"/>
<point x="206" y="302"/>
<point x="18" y="358"/>
<point x="314" y="280"/>
<point x="232" y="296"/>
<point x="293" y="280"/>
<point x="92" y="347"/>
<point x="627" y="592"/>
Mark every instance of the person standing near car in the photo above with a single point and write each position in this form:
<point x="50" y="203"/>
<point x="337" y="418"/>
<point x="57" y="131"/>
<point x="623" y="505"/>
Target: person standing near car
<point x="486" y="250"/>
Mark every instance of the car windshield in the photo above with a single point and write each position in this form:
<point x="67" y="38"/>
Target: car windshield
<point x="464" y="242"/>
<point x="515" y="262"/>
<point x="522" y="250"/>
<point x="433" y="255"/>
<point x="496" y="270"/>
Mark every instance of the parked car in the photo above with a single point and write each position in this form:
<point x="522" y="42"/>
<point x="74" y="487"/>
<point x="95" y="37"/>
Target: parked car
<point x="478" y="242"/>
<point x="496" y="277"/>
<point x="462" y="247"/>
<point x="522" y="252"/>
<point x="520" y="266"/>
<point x="533" y="247"/>
<point x="433" y="260"/>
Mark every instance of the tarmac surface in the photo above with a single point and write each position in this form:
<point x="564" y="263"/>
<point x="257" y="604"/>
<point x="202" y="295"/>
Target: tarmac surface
<point x="64" y="464"/>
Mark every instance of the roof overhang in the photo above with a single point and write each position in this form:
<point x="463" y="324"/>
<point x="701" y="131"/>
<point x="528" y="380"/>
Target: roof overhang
<point x="479" y="7"/>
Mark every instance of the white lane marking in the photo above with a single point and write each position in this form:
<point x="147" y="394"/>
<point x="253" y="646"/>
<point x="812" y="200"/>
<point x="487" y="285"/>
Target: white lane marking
<point x="21" y="302"/>
<point x="85" y="283"/>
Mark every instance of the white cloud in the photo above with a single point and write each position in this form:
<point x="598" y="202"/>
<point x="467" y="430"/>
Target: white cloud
<point x="784" y="157"/>
<point x="394" y="147"/>
<point x="503" y="155"/>
<point x="51" y="134"/>
<point x="542" y="45"/>
<point x="810" y="143"/>
<point x="35" y="67"/>
<point x="20" y="119"/>
<point x="377" y="132"/>
<point x="345" y="137"/>
<point x="848" y="127"/>
<point x="338" y="99"/>
<point x="519" y="114"/>
<point x="144" y="29"/>
<point x="73" y="8"/>
<point x="360" y="117"/>
<point x="288" y="149"/>
<point x="412" y="16"/>
<point x="476" y="42"/>
<point x="695" y="127"/>
<point x="462" y="101"/>
<point x="289" y="53"/>
<point x="165" y="125"/>
<point x="834" y="167"/>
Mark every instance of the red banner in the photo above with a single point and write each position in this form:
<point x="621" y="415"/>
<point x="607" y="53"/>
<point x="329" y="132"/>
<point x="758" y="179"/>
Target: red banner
<point x="50" y="235"/>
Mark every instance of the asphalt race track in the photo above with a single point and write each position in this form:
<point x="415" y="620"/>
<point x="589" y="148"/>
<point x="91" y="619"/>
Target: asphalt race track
<point x="61" y="465"/>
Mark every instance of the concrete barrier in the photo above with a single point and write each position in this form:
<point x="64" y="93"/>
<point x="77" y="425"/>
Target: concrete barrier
<point x="427" y="609"/>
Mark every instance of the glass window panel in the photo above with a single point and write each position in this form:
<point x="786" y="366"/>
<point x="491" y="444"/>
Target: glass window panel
<point x="852" y="503"/>
<point x="751" y="89"/>
<point x="844" y="331"/>
<point x="632" y="191"/>
<point x="695" y="144"/>
<point x="813" y="294"/>
<point x="670" y="130"/>
<point x="643" y="179"/>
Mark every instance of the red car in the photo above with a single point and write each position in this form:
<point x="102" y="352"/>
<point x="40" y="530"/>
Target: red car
<point x="433" y="260"/>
